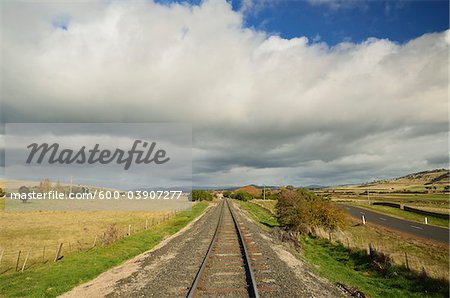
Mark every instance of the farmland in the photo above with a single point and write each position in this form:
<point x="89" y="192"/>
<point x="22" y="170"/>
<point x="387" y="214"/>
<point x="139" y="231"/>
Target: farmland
<point x="52" y="279"/>
<point x="434" y="202"/>
<point x="427" y="191"/>
<point x="35" y="233"/>
<point x="32" y="231"/>
<point x="432" y="181"/>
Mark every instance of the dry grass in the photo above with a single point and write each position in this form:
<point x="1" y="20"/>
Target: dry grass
<point x="32" y="231"/>
<point x="413" y="182"/>
<point x="435" y="202"/>
<point x="268" y="204"/>
<point x="421" y="253"/>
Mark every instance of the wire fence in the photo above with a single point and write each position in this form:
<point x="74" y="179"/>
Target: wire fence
<point x="407" y="258"/>
<point x="14" y="260"/>
<point x="399" y="256"/>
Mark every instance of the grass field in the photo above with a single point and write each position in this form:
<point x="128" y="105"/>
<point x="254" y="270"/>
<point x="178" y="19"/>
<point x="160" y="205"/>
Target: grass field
<point x="77" y="230"/>
<point x="399" y="213"/>
<point x="53" y="279"/>
<point x="438" y="201"/>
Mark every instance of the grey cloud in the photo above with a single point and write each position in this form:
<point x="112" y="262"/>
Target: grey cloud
<point x="438" y="161"/>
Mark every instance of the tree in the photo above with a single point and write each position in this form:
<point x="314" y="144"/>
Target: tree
<point x="289" y="209"/>
<point x="24" y="191"/>
<point x="45" y="186"/>
<point x="58" y="187"/>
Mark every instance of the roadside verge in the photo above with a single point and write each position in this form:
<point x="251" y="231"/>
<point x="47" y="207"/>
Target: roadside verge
<point x="355" y="270"/>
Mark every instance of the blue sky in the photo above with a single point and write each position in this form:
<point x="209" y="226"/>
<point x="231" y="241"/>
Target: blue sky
<point x="334" y="21"/>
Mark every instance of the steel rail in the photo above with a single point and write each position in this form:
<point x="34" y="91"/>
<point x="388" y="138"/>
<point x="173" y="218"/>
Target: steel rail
<point x="253" y="290"/>
<point x="194" y="286"/>
<point x="250" y="274"/>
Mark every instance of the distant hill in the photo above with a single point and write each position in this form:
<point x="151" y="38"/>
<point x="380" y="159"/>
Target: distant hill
<point x="251" y="189"/>
<point x="430" y="180"/>
<point x="438" y="176"/>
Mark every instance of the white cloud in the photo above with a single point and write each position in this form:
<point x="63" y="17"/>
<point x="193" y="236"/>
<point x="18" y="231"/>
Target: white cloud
<point x="260" y="102"/>
<point x="341" y="4"/>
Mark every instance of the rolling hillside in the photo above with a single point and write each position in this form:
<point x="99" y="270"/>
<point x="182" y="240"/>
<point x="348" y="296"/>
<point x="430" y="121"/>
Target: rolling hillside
<point x="251" y="189"/>
<point x="438" y="177"/>
<point x="432" y="180"/>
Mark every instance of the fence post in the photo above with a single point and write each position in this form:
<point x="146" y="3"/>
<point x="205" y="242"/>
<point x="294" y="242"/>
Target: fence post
<point x="1" y="256"/>
<point x="129" y="230"/>
<point x="371" y="250"/>
<point x="26" y="260"/>
<point x="363" y="219"/>
<point x="58" y="252"/>
<point x="17" y="261"/>
<point x="406" y="260"/>
<point x="426" y="220"/>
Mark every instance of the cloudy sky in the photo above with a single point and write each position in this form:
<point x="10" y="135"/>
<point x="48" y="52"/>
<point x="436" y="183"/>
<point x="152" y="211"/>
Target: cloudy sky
<point x="278" y="92"/>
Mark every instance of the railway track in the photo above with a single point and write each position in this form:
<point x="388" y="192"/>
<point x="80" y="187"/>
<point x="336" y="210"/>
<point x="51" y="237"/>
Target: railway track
<point x="226" y="269"/>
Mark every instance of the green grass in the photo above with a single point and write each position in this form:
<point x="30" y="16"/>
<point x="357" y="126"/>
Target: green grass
<point x="353" y="268"/>
<point x="399" y="213"/>
<point x="53" y="279"/>
<point x="259" y="214"/>
<point x="429" y="199"/>
<point x="268" y="204"/>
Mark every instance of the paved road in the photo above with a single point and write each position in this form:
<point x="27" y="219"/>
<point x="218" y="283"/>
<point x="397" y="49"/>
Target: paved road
<point x="416" y="229"/>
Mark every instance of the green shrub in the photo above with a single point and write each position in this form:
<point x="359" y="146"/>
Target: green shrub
<point x="243" y="196"/>
<point x="201" y="195"/>
<point x="270" y="195"/>
<point x="301" y="209"/>
<point x="227" y="194"/>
